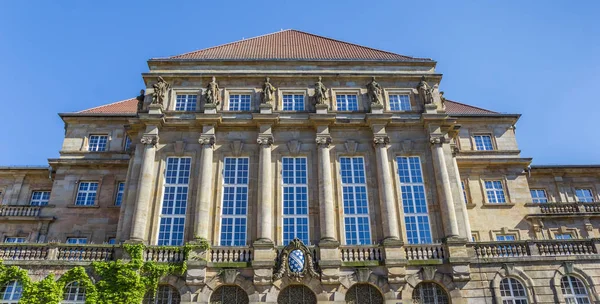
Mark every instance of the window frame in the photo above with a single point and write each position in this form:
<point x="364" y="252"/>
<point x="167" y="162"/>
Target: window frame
<point x="76" y="240"/>
<point x="512" y="298"/>
<point x="186" y="101"/>
<point x="174" y="215"/>
<point x="574" y="296"/>
<point x="127" y="142"/>
<point x="77" y="190"/>
<point x="294" y="93"/>
<point x="6" y="239"/>
<point x="592" y="195"/>
<point x="412" y="185"/>
<point x="355" y="215"/>
<point x="342" y="93"/>
<point x="230" y="93"/>
<point x="117" y="192"/>
<point x="492" y="141"/>
<point x="503" y="189"/>
<point x="236" y="203"/>
<point x="38" y="201"/>
<point x="399" y="93"/>
<point x="14" y="285"/>
<point x="536" y="200"/>
<point x="78" y="293"/>
<point x="99" y="135"/>
<point x="295" y="185"/>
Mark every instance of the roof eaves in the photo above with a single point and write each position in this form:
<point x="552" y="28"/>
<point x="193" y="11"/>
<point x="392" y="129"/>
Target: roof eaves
<point x="97" y="114"/>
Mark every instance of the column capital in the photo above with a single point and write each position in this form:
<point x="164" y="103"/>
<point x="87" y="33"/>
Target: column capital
<point x="150" y="139"/>
<point x="265" y="140"/>
<point x="323" y="141"/>
<point x="381" y="141"/>
<point x="207" y="140"/>
<point x="437" y="140"/>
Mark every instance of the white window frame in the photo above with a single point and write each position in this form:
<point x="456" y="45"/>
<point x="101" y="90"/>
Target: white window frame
<point x="538" y="199"/>
<point x="411" y="184"/>
<point x="39" y="201"/>
<point x="573" y="297"/>
<point x="95" y="146"/>
<point x="76" y="240"/>
<point x="87" y="193"/>
<point x="119" y="194"/>
<point x="354" y="186"/>
<point x="585" y="199"/>
<point x="236" y="186"/>
<point x="295" y="216"/>
<point x="15" y="240"/>
<point x="495" y="191"/>
<point x="14" y="286"/>
<point x="504" y="236"/>
<point x="345" y="101"/>
<point x="239" y="102"/>
<point x="187" y="100"/>
<point x="181" y="183"/>
<point x="294" y="101"/>
<point x="463" y="185"/>
<point x="79" y="293"/>
<point x="511" y="298"/>
<point x="492" y="146"/>
<point x="400" y="101"/>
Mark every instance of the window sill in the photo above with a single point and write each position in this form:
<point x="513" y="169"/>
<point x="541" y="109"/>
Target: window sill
<point x="470" y="206"/>
<point x="498" y="205"/>
<point x="83" y="206"/>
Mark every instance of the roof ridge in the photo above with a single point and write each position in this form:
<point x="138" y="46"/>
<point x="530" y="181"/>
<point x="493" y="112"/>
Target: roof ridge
<point x="224" y="44"/>
<point x="106" y="105"/>
<point x="467" y="105"/>
<point x="355" y="44"/>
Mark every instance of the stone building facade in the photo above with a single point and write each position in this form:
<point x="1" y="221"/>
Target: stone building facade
<point x="318" y="171"/>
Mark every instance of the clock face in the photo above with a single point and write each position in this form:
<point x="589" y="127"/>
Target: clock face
<point x="296" y="261"/>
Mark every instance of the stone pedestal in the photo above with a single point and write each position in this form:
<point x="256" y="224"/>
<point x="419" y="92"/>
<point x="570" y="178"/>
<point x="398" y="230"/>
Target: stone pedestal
<point x="266" y="108"/>
<point x="321" y="108"/>
<point x="459" y="256"/>
<point x="330" y="262"/>
<point x="431" y="108"/>
<point x="155" y="108"/>
<point x="376" y="108"/>
<point x="210" y="108"/>
<point x="395" y="260"/>
<point x="263" y="263"/>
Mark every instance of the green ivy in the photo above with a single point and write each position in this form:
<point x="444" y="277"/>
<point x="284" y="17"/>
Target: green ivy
<point x="118" y="282"/>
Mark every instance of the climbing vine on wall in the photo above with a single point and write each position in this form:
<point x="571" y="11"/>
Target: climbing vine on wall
<point x="117" y="282"/>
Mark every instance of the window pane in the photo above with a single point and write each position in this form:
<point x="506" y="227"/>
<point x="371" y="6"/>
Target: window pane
<point x="39" y="198"/>
<point x="174" y="204"/>
<point x="86" y="194"/>
<point x="483" y="142"/>
<point x="584" y="195"/>
<point x="120" y="192"/>
<point x="234" y="202"/>
<point x="495" y="192"/>
<point x="355" y="201"/>
<point x="293" y="102"/>
<point x="239" y="102"/>
<point x="416" y="215"/>
<point x="539" y="196"/>
<point x="97" y="143"/>
<point x="346" y="102"/>
<point x="186" y="103"/>
<point x="295" y="199"/>
<point x="399" y="103"/>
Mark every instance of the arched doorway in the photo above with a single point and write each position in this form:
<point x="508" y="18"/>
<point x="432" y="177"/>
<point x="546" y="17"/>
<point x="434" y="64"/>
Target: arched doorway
<point x="229" y="294"/>
<point x="363" y="294"/>
<point x="430" y="293"/>
<point x="296" y="294"/>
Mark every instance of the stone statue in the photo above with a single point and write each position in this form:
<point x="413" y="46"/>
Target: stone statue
<point x="375" y="92"/>
<point x="442" y="98"/>
<point x="425" y="91"/>
<point x="140" y="99"/>
<point x="212" y="92"/>
<point x="268" y="92"/>
<point x="320" y="92"/>
<point x="160" y="91"/>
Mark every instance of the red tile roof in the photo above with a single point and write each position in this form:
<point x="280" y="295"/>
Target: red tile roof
<point x="293" y="45"/>
<point x="453" y="107"/>
<point x="127" y="106"/>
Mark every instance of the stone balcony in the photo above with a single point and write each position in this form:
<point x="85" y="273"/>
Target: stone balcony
<point x="20" y="211"/>
<point x="564" y="209"/>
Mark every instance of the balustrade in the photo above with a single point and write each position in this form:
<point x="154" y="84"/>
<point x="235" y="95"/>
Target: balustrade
<point x="501" y="249"/>
<point x="361" y="253"/>
<point x="85" y="253"/>
<point x="425" y="252"/>
<point x="230" y="254"/>
<point x="163" y="254"/>
<point x="25" y="252"/>
<point x="21" y="211"/>
<point x="566" y="247"/>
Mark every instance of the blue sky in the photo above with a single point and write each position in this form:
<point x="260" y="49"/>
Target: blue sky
<point x="537" y="58"/>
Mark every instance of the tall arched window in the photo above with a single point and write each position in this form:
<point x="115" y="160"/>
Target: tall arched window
<point x="296" y="294"/>
<point x="573" y="290"/>
<point x="430" y="293"/>
<point x="363" y="294"/>
<point x="512" y="291"/>
<point x="229" y="294"/>
<point x="165" y="294"/>
<point x="74" y="294"/>
<point x="11" y="292"/>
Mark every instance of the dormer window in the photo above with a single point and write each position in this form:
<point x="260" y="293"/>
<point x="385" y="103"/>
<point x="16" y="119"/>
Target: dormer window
<point x="98" y="143"/>
<point x="483" y="142"/>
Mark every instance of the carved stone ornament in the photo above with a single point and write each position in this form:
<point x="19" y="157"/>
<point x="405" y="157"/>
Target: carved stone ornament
<point x="160" y="91"/>
<point x="228" y="276"/>
<point x="351" y="146"/>
<point x="568" y="266"/>
<point x="425" y="91"/>
<point x="150" y="139"/>
<point x="323" y="141"/>
<point x="509" y="268"/>
<point x="206" y="140"/>
<point x="295" y="261"/>
<point x="294" y="146"/>
<point x="236" y="147"/>
<point x="211" y="95"/>
<point x="375" y="92"/>
<point x="437" y="140"/>
<point x="381" y="141"/>
<point x="429" y="273"/>
<point x="268" y="92"/>
<point x="140" y="100"/>
<point x="320" y="92"/>
<point x="264" y="140"/>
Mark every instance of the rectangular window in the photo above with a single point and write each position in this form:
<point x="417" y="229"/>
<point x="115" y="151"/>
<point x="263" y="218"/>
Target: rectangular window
<point x="112" y="241"/>
<point x="239" y="102"/>
<point x="119" y="196"/>
<point x="174" y="203"/>
<point x="186" y="102"/>
<point x="538" y="196"/>
<point x="293" y="102"/>
<point x="295" y="199"/>
<point x="76" y="240"/>
<point x="97" y="143"/>
<point x="356" y="204"/>
<point x="483" y="142"/>
<point x="562" y="236"/>
<point x="584" y="195"/>
<point x="399" y="103"/>
<point x="86" y="194"/>
<point x="10" y="239"/>
<point x="462" y="183"/>
<point x="235" y="202"/>
<point x="495" y="192"/>
<point x="346" y="102"/>
<point x="505" y="237"/>
<point x="416" y="215"/>
<point x="127" y="142"/>
<point x="39" y="198"/>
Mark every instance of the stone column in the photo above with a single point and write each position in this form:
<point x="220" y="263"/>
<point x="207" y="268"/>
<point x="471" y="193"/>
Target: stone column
<point x="386" y="192"/>
<point x="265" y="197"/>
<point x="465" y="212"/>
<point x="142" y="204"/>
<point x="201" y="221"/>
<point x="448" y="212"/>
<point x="327" y="212"/>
